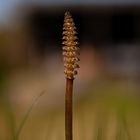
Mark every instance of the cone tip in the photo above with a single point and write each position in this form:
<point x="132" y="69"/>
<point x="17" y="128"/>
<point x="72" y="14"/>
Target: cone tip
<point x="67" y="13"/>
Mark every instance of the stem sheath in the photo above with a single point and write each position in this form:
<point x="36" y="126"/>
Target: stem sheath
<point x="68" y="109"/>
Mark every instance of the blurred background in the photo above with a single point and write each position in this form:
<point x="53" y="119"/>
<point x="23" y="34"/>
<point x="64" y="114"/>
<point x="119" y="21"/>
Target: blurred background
<point x="106" y="90"/>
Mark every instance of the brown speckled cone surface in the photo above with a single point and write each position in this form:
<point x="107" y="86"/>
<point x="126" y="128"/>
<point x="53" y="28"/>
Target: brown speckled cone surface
<point x="70" y="48"/>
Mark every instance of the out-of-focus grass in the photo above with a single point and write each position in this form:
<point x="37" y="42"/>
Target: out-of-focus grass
<point x="105" y="113"/>
<point x="116" y="114"/>
<point x="17" y="134"/>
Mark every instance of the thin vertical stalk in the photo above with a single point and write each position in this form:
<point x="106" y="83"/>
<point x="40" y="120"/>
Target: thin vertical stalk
<point x="68" y="109"/>
<point x="70" y="58"/>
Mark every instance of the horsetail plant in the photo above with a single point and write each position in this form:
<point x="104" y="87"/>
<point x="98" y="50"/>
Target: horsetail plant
<point x="70" y="58"/>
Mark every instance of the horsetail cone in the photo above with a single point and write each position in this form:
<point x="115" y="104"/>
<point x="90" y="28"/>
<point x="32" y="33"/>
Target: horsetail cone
<point x="70" y="48"/>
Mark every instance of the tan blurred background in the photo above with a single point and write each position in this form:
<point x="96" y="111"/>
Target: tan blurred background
<point x="106" y="90"/>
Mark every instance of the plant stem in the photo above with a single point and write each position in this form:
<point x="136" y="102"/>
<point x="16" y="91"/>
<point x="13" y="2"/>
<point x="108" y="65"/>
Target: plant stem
<point x="68" y="109"/>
